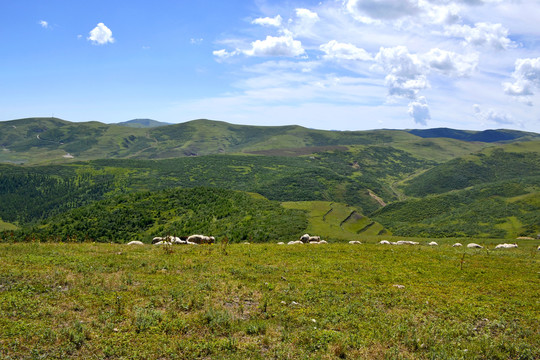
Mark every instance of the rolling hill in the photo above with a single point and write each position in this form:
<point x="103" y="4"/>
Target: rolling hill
<point x="51" y="140"/>
<point x="437" y="183"/>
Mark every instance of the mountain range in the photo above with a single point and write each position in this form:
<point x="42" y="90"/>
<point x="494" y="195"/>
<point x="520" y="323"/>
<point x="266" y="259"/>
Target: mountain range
<point x="431" y="182"/>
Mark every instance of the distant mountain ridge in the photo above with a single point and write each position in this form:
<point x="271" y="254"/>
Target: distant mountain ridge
<point x="45" y="140"/>
<point x="142" y="123"/>
<point x="488" y="136"/>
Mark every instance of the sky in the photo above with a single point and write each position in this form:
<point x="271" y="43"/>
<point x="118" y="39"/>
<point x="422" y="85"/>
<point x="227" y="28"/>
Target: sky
<point x="334" y="64"/>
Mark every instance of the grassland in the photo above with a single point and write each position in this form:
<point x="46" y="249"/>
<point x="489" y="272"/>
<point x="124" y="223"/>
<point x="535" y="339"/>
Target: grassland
<point x="336" y="221"/>
<point x="4" y="226"/>
<point x="268" y="301"/>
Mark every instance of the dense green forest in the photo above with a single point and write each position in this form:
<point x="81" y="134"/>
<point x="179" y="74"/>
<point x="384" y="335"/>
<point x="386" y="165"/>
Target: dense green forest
<point x="179" y="212"/>
<point x="502" y="209"/>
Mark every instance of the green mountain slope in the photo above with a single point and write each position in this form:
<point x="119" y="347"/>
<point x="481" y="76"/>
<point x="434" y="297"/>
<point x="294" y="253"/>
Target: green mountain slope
<point x="179" y="212"/>
<point x="417" y="186"/>
<point x="45" y="140"/>
<point x="490" y="165"/>
<point x="504" y="209"/>
<point x="336" y="221"/>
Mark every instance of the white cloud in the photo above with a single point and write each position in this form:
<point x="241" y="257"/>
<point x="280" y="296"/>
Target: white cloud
<point x="223" y="54"/>
<point x="493" y="116"/>
<point x="526" y="76"/>
<point x="196" y="41"/>
<point x="443" y="15"/>
<point x="307" y="15"/>
<point x="268" y="21"/>
<point x="451" y="63"/>
<point x="276" y="46"/>
<point x="419" y="111"/>
<point x="482" y="35"/>
<point x="383" y="9"/>
<point x="44" y="24"/>
<point x="101" y="35"/>
<point x="345" y="51"/>
<point x="406" y="72"/>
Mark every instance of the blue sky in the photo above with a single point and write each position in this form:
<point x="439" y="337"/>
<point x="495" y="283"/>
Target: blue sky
<point x="335" y="64"/>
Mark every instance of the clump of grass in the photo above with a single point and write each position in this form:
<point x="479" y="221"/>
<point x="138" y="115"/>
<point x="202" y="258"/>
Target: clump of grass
<point x="145" y="319"/>
<point x="218" y="321"/>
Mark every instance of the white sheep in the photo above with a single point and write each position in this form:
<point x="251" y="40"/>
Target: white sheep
<point x="457" y="245"/>
<point x="474" y="246"/>
<point x="354" y="242"/>
<point x="295" y="242"/>
<point x="135" y="243"/>
<point x="384" y="242"/>
<point x="506" y="246"/>
<point x="406" y="242"/>
<point x="433" y="243"/>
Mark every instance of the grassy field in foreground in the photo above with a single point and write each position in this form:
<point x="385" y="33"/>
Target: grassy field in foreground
<point x="268" y="301"/>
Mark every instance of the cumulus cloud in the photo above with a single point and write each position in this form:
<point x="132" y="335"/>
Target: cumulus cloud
<point x="406" y="73"/>
<point x="419" y="111"/>
<point x="101" y="35"/>
<point x="447" y="14"/>
<point x="44" y="24"/>
<point x="482" y="35"/>
<point x="526" y="78"/>
<point x="276" y="46"/>
<point x="268" y="21"/>
<point x="383" y="9"/>
<point x="307" y="15"/>
<point x="451" y="63"/>
<point x="344" y="51"/>
<point x="492" y="116"/>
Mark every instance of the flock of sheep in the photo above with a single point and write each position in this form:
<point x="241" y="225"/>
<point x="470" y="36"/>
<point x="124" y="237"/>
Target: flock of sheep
<point x="304" y="239"/>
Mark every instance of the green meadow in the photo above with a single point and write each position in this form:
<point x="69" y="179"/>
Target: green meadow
<point x="269" y="301"/>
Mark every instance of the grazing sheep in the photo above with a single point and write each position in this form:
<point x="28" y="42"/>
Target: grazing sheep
<point x="354" y="242"/>
<point x="506" y="246"/>
<point x="538" y="248"/>
<point x="135" y="243"/>
<point x="406" y="242"/>
<point x="306" y="238"/>
<point x="200" y="239"/>
<point x="474" y="246"/>
<point x="281" y="243"/>
<point x="323" y="242"/>
<point x="457" y="245"/>
<point x="295" y="242"/>
<point x="433" y="243"/>
<point x="384" y="242"/>
<point x="157" y="239"/>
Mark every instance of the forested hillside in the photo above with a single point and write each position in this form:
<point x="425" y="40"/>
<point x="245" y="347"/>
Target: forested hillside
<point x="413" y="185"/>
<point x="178" y="212"/>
